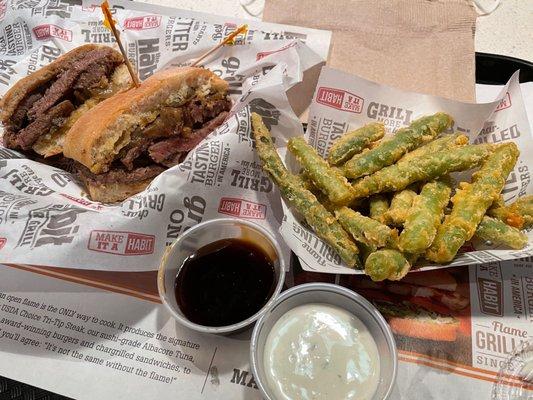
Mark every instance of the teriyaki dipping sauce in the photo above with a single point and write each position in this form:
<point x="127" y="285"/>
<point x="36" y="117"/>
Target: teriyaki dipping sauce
<point x="225" y="282"/>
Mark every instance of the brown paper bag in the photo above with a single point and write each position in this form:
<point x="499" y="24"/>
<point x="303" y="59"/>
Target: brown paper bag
<point x="424" y="46"/>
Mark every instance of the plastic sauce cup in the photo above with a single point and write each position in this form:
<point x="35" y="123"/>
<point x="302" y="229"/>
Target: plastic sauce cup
<point x="335" y="295"/>
<point x="203" y="234"/>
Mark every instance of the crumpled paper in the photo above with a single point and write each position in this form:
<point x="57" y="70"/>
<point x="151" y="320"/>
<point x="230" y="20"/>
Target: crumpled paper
<point x="45" y="215"/>
<point x="344" y="102"/>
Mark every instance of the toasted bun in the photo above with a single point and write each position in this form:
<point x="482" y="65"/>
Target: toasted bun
<point x="113" y="192"/>
<point x="424" y="329"/>
<point x="98" y="135"/>
<point x="10" y="101"/>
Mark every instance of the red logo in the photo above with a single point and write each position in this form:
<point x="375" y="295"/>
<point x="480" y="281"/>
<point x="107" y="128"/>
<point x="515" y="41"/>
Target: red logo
<point x="121" y="243"/>
<point x="83" y="202"/>
<point x="267" y="53"/>
<point x="340" y="99"/>
<point x="140" y="23"/>
<point x="88" y="8"/>
<point x="242" y="208"/>
<point x="3" y="9"/>
<point x="504" y="103"/>
<point x="3" y="242"/>
<point x="43" y="32"/>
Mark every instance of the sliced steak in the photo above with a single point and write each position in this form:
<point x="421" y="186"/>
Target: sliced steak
<point x="165" y="150"/>
<point x="17" y="119"/>
<point x="120" y="175"/>
<point x="134" y="152"/>
<point x="59" y="161"/>
<point x="19" y="116"/>
<point x="94" y="76"/>
<point x="175" y="159"/>
<point x="169" y="122"/>
<point x="54" y="118"/>
<point x="197" y="111"/>
<point x="95" y="65"/>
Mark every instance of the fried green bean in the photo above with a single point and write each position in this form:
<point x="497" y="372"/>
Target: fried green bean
<point x="499" y="202"/>
<point x="498" y="232"/>
<point x="518" y="214"/>
<point x="364" y="229"/>
<point x="386" y="264"/>
<point x="424" y="168"/>
<point x="365" y="250"/>
<point x="308" y="183"/>
<point x="321" y="197"/>
<point x="378" y="206"/>
<point x="321" y="220"/>
<point x="390" y="151"/>
<point x="329" y="180"/>
<point x="446" y="142"/>
<point x="471" y="202"/>
<point x="400" y="205"/>
<point x="354" y="142"/>
<point x="425" y="216"/>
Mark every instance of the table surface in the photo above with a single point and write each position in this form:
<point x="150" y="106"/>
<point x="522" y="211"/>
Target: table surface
<point x="507" y="31"/>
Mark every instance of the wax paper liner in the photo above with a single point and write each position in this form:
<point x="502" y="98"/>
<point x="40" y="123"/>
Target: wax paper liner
<point x="343" y="102"/>
<point x="46" y="217"/>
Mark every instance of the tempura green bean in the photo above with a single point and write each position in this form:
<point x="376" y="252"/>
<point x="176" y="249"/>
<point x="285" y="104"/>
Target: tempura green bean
<point x="424" y="168"/>
<point x="386" y="264"/>
<point x="364" y="229"/>
<point x="471" y="202"/>
<point x="321" y="221"/>
<point x="329" y="180"/>
<point x="400" y="205"/>
<point x="518" y="214"/>
<point x="378" y="206"/>
<point x="390" y="151"/>
<point x="354" y="142"/>
<point x="498" y="232"/>
<point x="424" y="217"/>
<point x="446" y="142"/>
<point x="308" y="183"/>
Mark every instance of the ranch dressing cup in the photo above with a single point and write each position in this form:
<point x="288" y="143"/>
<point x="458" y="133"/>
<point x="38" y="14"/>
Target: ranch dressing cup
<point x="282" y="320"/>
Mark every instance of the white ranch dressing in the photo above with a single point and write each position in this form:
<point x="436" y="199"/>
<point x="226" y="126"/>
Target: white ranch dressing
<point x="319" y="351"/>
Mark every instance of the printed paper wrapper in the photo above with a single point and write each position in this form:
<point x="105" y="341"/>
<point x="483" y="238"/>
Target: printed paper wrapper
<point x="45" y="215"/>
<point x="344" y="102"/>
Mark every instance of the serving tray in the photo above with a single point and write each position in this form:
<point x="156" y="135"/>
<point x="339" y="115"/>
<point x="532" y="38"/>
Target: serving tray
<point x="491" y="69"/>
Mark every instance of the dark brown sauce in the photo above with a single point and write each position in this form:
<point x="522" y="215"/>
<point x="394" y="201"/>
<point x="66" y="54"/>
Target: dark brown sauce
<point x="224" y="282"/>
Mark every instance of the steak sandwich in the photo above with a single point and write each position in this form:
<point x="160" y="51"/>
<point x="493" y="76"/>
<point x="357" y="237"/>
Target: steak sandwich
<point x="125" y="141"/>
<point x="38" y="110"/>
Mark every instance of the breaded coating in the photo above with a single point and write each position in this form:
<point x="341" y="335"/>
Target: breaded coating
<point x="518" y="214"/>
<point x="329" y="180"/>
<point x="354" y="142"/>
<point x="446" y="142"/>
<point x="386" y="264"/>
<point x="389" y="151"/>
<point x="425" y="216"/>
<point x="378" y="206"/>
<point x="471" y="202"/>
<point x="364" y="229"/>
<point x="498" y="232"/>
<point x="400" y="206"/>
<point x="291" y="188"/>
<point x="424" y="168"/>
